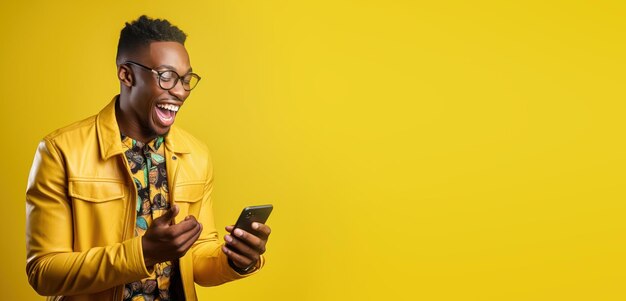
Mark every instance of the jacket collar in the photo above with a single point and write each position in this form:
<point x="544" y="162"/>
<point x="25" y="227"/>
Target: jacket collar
<point x="109" y="136"/>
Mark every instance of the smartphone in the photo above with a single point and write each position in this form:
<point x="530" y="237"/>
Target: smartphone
<point x="252" y="214"/>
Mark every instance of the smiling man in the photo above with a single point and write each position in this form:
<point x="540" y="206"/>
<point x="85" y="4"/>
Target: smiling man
<point x="118" y="206"/>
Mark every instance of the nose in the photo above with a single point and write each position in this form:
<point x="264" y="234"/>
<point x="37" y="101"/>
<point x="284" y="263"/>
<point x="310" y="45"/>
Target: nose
<point x="179" y="91"/>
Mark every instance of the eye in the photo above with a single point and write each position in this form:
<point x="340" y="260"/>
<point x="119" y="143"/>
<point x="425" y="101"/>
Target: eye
<point x="168" y="76"/>
<point x="187" y="79"/>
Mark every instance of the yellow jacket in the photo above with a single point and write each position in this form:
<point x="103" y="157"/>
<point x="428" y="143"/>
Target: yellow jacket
<point x="80" y="213"/>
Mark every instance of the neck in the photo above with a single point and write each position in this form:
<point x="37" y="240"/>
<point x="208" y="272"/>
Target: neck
<point x="129" y="124"/>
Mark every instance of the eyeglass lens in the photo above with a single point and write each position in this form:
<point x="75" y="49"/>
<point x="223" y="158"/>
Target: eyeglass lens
<point x="168" y="79"/>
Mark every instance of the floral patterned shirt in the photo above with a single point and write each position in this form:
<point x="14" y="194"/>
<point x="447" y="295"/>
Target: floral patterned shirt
<point x="147" y="166"/>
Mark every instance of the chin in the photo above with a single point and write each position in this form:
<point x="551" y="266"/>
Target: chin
<point x="162" y="132"/>
<point x="157" y="129"/>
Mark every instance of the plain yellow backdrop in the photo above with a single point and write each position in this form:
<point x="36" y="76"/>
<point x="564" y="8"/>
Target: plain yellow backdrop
<point x="413" y="150"/>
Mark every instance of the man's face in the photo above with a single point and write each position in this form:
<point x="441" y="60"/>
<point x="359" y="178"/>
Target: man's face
<point x="154" y="109"/>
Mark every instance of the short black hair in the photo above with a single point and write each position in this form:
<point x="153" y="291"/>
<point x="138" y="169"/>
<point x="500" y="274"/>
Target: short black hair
<point x="141" y="32"/>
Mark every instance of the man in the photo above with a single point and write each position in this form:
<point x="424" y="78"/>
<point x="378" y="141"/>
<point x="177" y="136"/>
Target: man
<point x="118" y="206"/>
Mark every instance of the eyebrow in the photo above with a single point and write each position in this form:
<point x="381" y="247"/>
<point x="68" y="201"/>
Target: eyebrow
<point x="172" y="68"/>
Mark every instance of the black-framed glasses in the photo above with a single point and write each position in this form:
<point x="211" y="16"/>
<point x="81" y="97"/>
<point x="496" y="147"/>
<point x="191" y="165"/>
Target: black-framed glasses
<point x="169" y="78"/>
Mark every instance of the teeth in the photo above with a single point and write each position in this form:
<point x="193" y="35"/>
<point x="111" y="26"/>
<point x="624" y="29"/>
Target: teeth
<point x="173" y="108"/>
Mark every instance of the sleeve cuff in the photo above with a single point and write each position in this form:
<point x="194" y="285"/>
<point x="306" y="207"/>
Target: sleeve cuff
<point x="137" y="261"/>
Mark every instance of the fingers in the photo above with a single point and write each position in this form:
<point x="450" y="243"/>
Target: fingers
<point x="242" y="248"/>
<point x="167" y="217"/>
<point x="170" y="242"/>
<point x="246" y="243"/>
<point x="263" y="230"/>
<point x="186" y="240"/>
<point x="188" y="224"/>
<point x="238" y="259"/>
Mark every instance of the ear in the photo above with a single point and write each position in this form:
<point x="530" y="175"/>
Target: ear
<point x="125" y="75"/>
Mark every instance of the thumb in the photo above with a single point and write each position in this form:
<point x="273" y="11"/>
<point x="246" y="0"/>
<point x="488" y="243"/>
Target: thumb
<point x="165" y="219"/>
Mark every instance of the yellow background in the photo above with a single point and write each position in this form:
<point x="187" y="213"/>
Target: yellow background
<point x="413" y="150"/>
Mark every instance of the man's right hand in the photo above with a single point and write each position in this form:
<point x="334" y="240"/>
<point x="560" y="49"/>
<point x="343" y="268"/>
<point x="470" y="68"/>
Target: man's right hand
<point x="165" y="242"/>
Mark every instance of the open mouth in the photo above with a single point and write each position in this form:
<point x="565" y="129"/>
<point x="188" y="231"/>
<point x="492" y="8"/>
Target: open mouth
<point x="166" y="113"/>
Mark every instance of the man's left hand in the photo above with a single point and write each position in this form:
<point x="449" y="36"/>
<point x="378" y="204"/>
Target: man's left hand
<point x="243" y="248"/>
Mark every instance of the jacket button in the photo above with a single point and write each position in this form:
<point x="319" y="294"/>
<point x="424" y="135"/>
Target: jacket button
<point x="173" y="157"/>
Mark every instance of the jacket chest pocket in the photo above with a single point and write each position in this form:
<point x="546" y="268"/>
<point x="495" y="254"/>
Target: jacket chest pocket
<point x="99" y="210"/>
<point x="188" y="197"/>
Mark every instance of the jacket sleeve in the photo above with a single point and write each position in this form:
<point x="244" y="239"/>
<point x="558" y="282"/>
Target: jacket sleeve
<point x="52" y="266"/>
<point x="210" y="264"/>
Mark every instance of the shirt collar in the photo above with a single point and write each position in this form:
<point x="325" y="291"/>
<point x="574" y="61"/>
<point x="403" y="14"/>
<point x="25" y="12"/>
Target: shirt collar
<point x="153" y="144"/>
